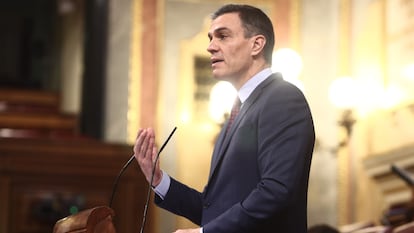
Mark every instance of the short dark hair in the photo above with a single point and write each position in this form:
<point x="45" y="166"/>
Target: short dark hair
<point x="255" y="22"/>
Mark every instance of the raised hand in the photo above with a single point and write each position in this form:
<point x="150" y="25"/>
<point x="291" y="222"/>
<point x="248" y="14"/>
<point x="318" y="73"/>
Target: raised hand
<point x="145" y="152"/>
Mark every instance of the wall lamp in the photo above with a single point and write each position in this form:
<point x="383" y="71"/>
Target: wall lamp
<point x="342" y="95"/>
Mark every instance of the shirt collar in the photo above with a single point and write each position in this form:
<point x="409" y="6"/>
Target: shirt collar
<point x="252" y="83"/>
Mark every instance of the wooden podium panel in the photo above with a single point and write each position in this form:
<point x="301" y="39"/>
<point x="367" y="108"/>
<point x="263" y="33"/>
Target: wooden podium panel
<point x="44" y="180"/>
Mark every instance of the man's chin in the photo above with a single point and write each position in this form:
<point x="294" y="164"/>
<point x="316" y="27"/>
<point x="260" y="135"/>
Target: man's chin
<point x="219" y="76"/>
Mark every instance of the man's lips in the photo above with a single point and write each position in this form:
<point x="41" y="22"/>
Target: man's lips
<point x="215" y="60"/>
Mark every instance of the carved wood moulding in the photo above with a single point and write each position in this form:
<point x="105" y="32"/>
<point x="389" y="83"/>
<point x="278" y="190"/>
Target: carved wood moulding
<point x="378" y="167"/>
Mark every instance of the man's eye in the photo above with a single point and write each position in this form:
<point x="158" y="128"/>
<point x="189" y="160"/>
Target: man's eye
<point x="222" y="37"/>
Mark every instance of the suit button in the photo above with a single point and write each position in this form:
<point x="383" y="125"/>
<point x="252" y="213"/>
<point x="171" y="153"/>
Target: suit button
<point x="206" y="205"/>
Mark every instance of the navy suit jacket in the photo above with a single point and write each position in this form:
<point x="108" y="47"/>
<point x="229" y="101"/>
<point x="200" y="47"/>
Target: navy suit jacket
<point x="259" y="172"/>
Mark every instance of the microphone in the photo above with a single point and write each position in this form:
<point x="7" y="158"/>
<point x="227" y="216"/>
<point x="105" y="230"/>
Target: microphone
<point x="144" y="216"/>
<point x="151" y="180"/>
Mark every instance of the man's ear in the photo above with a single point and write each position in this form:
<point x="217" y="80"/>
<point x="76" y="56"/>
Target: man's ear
<point x="259" y="42"/>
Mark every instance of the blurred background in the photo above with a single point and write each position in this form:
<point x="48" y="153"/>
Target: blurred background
<point x="81" y="77"/>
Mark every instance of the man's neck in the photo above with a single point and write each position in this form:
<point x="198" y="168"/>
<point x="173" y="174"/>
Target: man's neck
<point x="251" y="72"/>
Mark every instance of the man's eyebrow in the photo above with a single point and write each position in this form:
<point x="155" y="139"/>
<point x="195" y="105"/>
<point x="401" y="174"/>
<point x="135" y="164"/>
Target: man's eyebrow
<point x="218" y="30"/>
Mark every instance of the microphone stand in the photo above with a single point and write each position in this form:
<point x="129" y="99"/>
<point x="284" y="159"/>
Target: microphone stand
<point x="100" y="218"/>
<point x="144" y="218"/>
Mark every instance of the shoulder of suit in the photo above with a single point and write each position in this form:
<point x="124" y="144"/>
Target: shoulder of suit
<point x="274" y="77"/>
<point x="276" y="80"/>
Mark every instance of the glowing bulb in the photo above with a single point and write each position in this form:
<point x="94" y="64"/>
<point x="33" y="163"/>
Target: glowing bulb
<point x="289" y="63"/>
<point x="342" y="92"/>
<point x="222" y="97"/>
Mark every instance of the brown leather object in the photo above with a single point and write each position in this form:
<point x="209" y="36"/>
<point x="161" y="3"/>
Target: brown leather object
<point x="95" y="220"/>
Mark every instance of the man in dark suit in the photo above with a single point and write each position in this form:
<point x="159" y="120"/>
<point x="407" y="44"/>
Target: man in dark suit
<point x="260" y="165"/>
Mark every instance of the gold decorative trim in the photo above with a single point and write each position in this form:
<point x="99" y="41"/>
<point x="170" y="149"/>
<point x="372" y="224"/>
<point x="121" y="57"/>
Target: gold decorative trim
<point x="385" y="42"/>
<point x="345" y="156"/>
<point x="344" y="182"/>
<point x="161" y="65"/>
<point x="295" y="26"/>
<point x="344" y="37"/>
<point x="134" y="96"/>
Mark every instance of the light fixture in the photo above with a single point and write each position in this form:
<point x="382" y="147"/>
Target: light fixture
<point x="343" y="93"/>
<point x="289" y="63"/>
<point x="222" y="96"/>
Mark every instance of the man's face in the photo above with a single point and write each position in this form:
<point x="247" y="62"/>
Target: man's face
<point x="231" y="52"/>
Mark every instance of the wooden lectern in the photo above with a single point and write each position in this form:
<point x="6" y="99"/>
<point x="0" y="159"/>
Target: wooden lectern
<point x="95" y="220"/>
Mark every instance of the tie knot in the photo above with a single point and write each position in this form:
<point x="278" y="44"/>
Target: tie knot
<point x="236" y="104"/>
<point x="234" y="111"/>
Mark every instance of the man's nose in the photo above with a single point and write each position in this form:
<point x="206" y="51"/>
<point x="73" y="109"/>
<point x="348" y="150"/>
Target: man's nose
<point x="212" y="47"/>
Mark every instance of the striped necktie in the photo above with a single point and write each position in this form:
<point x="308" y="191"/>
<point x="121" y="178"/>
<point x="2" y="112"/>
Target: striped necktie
<point x="234" y="111"/>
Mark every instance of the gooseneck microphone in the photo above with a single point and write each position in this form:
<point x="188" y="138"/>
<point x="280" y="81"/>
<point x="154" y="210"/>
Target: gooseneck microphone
<point x="149" y="185"/>
<point x="117" y="179"/>
<point x="144" y="216"/>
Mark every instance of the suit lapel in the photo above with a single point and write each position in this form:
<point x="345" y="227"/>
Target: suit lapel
<point x="218" y="144"/>
<point x="223" y="142"/>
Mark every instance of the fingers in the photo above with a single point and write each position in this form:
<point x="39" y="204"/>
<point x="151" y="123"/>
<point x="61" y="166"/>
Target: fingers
<point x="154" y="153"/>
<point x="138" y="142"/>
<point x="144" y="143"/>
<point x="145" y="151"/>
